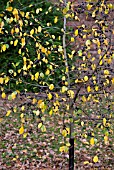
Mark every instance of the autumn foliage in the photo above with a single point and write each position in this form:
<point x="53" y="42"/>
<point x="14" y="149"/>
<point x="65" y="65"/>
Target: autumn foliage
<point x="47" y="49"/>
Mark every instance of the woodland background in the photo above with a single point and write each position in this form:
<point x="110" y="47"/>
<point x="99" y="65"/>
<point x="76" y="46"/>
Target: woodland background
<point x="34" y="101"/>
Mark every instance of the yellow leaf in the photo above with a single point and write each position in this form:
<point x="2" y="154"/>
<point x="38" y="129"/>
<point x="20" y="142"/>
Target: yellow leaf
<point x="56" y="19"/>
<point x="68" y="144"/>
<point x="42" y="106"/>
<point x="72" y="39"/>
<point x="52" y="137"/>
<point x="17" y="30"/>
<point x="49" y="96"/>
<point x="106" y="42"/>
<point x="95" y="159"/>
<point x="27" y="15"/>
<point x="89" y="6"/>
<point x="106" y="139"/>
<point x="88" y="42"/>
<point x="36" y="76"/>
<point x="23" y="41"/>
<point x="15" y="42"/>
<point x="64" y="89"/>
<point x="51" y="86"/>
<point x="15" y="11"/>
<point x="6" y="79"/>
<point x="41" y="74"/>
<point x="76" y="18"/>
<point x="29" y="66"/>
<point x="8" y="112"/>
<point x="96" y="88"/>
<point x="24" y="68"/>
<point x="76" y="32"/>
<point x="23" y="108"/>
<point x="95" y="100"/>
<point x="11" y="42"/>
<point x="53" y="36"/>
<point x="37" y="112"/>
<point x="93" y="14"/>
<point x="43" y="128"/>
<point x="39" y="125"/>
<point x="110" y="6"/>
<point x="112" y="80"/>
<point x="98" y="43"/>
<point x="21" y="23"/>
<point x="63" y="78"/>
<point x="60" y="49"/>
<point x="34" y="101"/>
<point x="47" y="72"/>
<point x="84" y="99"/>
<point x="65" y="10"/>
<point x="64" y="133"/>
<point x="24" y="59"/>
<point x="93" y="66"/>
<point x="109" y="60"/>
<point x="64" y="149"/>
<point x="84" y="36"/>
<point x="37" y="45"/>
<point x="21" y="130"/>
<point x="13" y="95"/>
<point x="1" y="80"/>
<point x="82" y="123"/>
<point x="50" y="112"/>
<point x="80" y="53"/>
<point x="14" y="159"/>
<point x="9" y="8"/>
<point x="86" y="162"/>
<point x="22" y="115"/>
<point x="92" y="141"/>
<point x="106" y="72"/>
<point x="86" y="78"/>
<point x="39" y="29"/>
<point x="61" y="149"/>
<point x="68" y="130"/>
<point x="4" y="47"/>
<point x="37" y="10"/>
<point x="39" y="102"/>
<point x="104" y="121"/>
<point x="43" y="50"/>
<point x="99" y="51"/>
<point x="101" y="62"/>
<point x="71" y="93"/>
<point x="3" y="95"/>
<point x="88" y="89"/>
<point x="32" y="32"/>
<point x="22" y="13"/>
<point x="25" y="135"/>
<point x="19" y="51"/>
<point x="48" y="52"/>
<point x="106" y="11"/>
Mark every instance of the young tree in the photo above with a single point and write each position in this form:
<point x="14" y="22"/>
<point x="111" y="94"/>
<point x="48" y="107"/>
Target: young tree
<point x="69" y="65"/>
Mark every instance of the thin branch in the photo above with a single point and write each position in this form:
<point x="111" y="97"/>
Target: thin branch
<point x="64" y="47"/>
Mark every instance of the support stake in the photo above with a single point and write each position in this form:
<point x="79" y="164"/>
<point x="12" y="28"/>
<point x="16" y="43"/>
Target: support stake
<point x="71" y="154"/>
<point x="71" y="148"/>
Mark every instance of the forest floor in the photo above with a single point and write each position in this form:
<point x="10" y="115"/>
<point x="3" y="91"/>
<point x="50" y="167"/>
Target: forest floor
<point x="40" y="151"/>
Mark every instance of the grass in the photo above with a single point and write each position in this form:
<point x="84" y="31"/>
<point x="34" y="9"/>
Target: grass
<point x="41" y="150"/>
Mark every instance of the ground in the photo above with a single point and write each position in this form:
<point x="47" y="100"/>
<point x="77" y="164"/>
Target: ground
<point x="41" y="150"/>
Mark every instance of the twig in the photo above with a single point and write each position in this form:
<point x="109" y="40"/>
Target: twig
<point x="64" y="47"/>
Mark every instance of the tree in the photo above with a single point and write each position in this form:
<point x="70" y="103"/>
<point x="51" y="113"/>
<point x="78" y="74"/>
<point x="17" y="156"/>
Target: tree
<point x="53" y="58"/>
